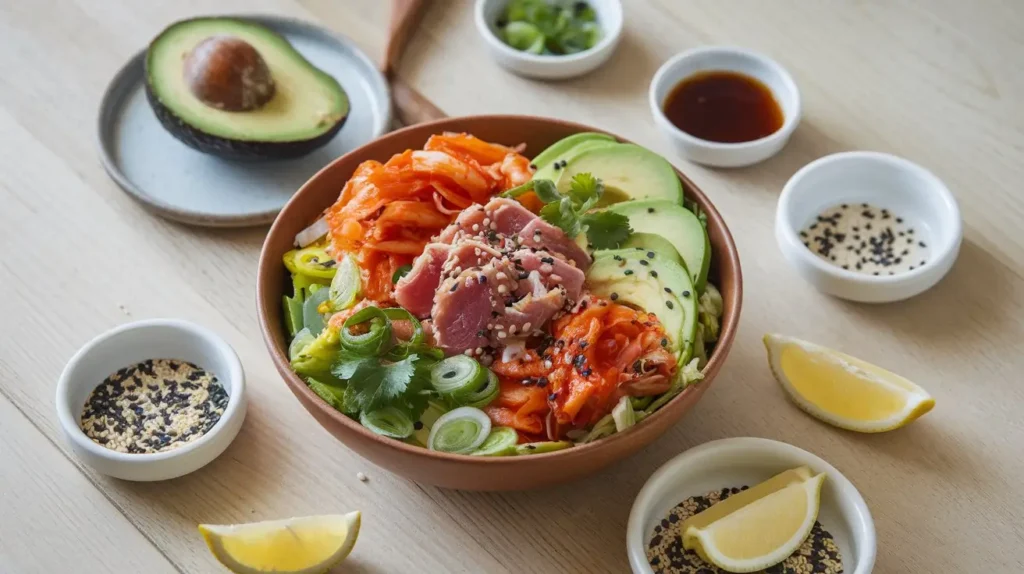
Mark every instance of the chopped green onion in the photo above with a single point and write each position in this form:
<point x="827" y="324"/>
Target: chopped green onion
<point x="346" y="285"/>
<point x="501" y="442"/>
<point x="486" y="393"/>
<point x="330" y="394"/>
<point x="387" y="421"/>
<point x="293" y="313"/>
<point x="404" y="348"/>
<point x="459" y="379"/>
<point x="640" y="403"/>
<point x="312" y="319"/>
<point x="302" y="340"/>
<point x="542" y="447"/>
<point x="374" y="340"/>
<point x="525" y="37"/>
<point x="460" y="431"/>
<point x="623" y="414"/>
<point x="402" y="271"/>
<point x="602" y="428"/>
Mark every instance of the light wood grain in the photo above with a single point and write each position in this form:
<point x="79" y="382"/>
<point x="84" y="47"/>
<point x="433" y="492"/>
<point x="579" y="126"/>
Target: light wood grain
<point x="47" y="506"/>
<point x="937" y="81"/>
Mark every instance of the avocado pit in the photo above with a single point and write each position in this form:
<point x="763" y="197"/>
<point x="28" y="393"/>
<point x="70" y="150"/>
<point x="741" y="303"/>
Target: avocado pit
<point x="228" y="73"/>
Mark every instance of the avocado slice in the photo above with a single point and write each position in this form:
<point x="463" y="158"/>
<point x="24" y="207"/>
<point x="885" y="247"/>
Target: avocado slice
<point x="557" y="150"/>
<point x="193" y="77"/>
<point x="554" y="169"/>
<point x="676" y="224"/>
<point x="655" y="284"/>
<point x="628" y="171"/>
<point x="652" y="242"/>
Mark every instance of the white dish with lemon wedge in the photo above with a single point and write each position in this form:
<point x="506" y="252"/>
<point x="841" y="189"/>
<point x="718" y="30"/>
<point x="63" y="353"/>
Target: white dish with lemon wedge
<point x="750" y="461"/>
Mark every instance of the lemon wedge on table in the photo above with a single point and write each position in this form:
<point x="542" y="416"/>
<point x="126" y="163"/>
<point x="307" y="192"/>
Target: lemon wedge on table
<point x="304" y="545"/>
<point x="760" y="531"/>
<point x="842" y="390"/>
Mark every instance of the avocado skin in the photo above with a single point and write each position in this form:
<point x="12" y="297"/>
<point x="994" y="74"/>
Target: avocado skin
<point x="225" y="148"/>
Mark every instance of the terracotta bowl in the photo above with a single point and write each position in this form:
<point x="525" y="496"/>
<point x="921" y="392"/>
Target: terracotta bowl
<point x="458" y="471"/>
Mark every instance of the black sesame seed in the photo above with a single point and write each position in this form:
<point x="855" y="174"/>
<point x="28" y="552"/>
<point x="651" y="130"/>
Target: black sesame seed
<point x="552" y="397"/>
<point x="669" y="304"/>
<point x="668" y="289"/>
<point x="686" y="293"/>
<point x="650" y="210"/>
<point x="614" y="296"/>
<point x="664" y="342"/>
<point x="650" y="255"/>
<point x="654" y="273"/>
<point x="644" y="262"/>
<point x="628" y="272"/>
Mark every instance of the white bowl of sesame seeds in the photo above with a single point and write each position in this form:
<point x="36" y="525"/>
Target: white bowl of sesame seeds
<point x="151" y="400"/>
<point x="868" y="227"/>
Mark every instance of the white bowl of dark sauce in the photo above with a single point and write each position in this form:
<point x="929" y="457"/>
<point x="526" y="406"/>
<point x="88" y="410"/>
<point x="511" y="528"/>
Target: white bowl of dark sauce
<point x="725" y="106"/>
<point x="151" y="400"/>
<point x="868" y="226"/>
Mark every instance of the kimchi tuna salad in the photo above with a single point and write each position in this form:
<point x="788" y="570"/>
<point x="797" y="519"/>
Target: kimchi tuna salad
<point x="467" y="299"/>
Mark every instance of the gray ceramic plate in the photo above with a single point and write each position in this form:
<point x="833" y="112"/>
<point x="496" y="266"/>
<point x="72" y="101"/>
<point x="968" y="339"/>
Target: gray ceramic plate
<point x="179" y="183"/>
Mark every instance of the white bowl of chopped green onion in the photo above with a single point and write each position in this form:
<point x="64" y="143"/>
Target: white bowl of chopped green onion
<point x="550" y="40"/>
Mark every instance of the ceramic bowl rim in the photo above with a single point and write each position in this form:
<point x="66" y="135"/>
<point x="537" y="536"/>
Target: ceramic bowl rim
<point x="864" y="531"/>
<point x="944" y="201"/>
<point x="271" y="270"/>
<point x="789" y="123"/>
<point x="208" y="338"/>
<point x="484" y="29"/>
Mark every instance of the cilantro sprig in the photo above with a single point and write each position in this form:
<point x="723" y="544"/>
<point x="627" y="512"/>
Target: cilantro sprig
<point x="571" y="212"/>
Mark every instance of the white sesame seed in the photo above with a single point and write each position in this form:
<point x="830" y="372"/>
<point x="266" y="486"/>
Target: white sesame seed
<point x="493" y="226"/>
<point x="479" y="350"/>
<point x="547" y="364"/>
<point x="502" y="289"/>
<point x="512" y="330"/>
<point x="468" y="352"/>
<point x="556" y="277"/>
<point x="546" y="268"/>
<point x="501" y="335"/>
<point x="527" y="325"/>
<point x="362" y="477"/>
<point x="476" y="228"/>
<point x="500" y="276"/>
<point x="487" y="221"/>
<point x="490" y="326"/>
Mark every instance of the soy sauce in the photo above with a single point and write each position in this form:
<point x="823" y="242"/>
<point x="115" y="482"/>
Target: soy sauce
<point x="725" y="107"/>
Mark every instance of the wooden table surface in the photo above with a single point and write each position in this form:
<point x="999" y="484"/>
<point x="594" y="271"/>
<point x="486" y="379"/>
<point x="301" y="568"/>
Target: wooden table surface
<point x="938" y="81"/>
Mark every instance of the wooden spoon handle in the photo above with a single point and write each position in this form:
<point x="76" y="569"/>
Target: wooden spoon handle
<point x="410" y="106"/>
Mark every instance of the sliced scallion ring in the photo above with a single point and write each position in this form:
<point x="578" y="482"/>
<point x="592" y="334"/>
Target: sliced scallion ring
<point x="485" y="393"/>
<point x="542" y="447"/>
<point x="374" y="340"/>
<point x="302" y="340"/>
<point x="458" y="378"/>
<point x="501" y="442"/>
<point x="387" y="421"/>
<point x="460" y="431"/>
<point x="346" y="285"/>
<point x="400" y="314"/>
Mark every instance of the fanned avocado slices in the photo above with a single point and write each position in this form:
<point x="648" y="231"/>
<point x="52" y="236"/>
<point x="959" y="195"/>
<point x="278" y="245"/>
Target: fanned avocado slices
<point x="237" y="90"/>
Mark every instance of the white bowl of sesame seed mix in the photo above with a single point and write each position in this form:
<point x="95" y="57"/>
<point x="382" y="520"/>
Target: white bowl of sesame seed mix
<point x="868" y="227"/>
<point x="152" y="400"/>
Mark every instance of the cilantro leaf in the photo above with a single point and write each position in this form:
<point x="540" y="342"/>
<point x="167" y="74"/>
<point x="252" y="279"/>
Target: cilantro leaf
<point x="585" y="188"/>
<point x="562" y="215"/>
<point x="607" y="230"/>
<point x="376" y="384"/>
<point x="544" y="188"/>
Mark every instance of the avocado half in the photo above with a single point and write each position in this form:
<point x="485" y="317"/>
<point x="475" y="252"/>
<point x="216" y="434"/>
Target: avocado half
<point x="307" y="108"/>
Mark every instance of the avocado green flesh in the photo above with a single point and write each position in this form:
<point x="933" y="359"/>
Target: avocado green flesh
<point x="629" y="172"/>
<point x="549" y="171"/>
<point x="652" y="242"/>
<point x="676" y="224"/>
<point x="558" y="149"/>
<point x="307" y="102"/>
<point x="644" y="288"/>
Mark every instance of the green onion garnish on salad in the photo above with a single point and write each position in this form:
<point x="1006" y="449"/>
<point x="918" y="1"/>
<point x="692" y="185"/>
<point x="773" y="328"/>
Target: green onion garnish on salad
<point x="459" y="379"/>
<point x="346" y="287"/>
<point x="377" y="332"/>
<point x="388" y="421"/>
<point x="460" y="431"/>
<point x="501" y="442"/>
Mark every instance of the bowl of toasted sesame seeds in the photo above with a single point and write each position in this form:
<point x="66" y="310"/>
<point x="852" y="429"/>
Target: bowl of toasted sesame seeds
<point x="152" y="400"/>
<point x="868" y="227"/>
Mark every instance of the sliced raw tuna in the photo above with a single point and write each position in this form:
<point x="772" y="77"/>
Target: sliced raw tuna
<point x="469" y="253"/>
<point x="416" y="290"/>
<point x="472" y="215"/>
<point x="542" y="235"/>
<point x="462" y="311"/>
<point x="507" y="216"/>
<point x="553" y="271"/>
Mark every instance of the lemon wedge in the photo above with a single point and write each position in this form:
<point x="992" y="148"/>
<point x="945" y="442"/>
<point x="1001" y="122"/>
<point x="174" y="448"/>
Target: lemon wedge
<point x="760" y="533"/>
<point x="842" y="390"/>
<point x="303" y="545"/>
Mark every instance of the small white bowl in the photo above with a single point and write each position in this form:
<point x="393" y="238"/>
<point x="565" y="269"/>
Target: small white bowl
<point x="131" y="344"/>
<point x="880" y="180"/>
<point x="735" y="462"/>
<point x="550" y="67"/>
<point x="717" y="154"/>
